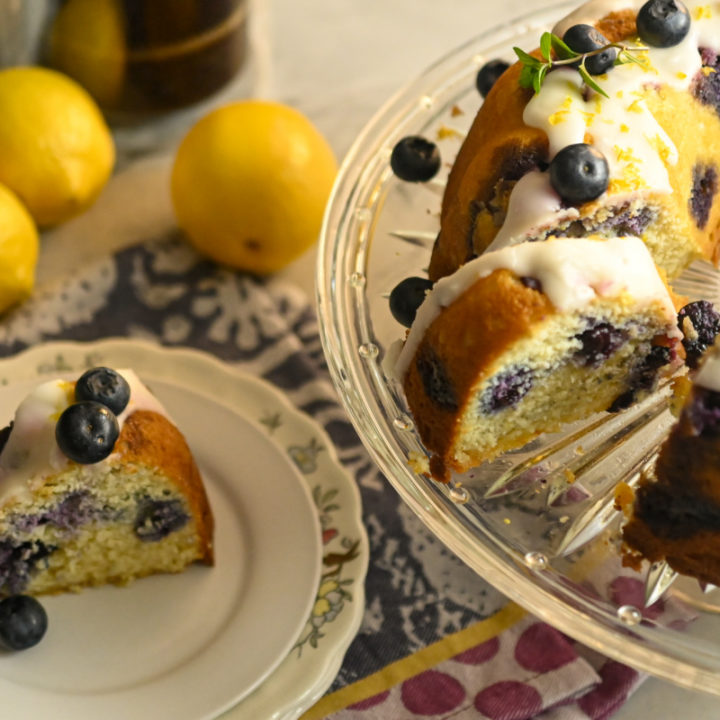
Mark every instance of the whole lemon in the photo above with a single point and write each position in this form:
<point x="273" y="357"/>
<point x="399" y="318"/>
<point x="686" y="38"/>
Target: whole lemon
<point x="87" y="41"/>
<point x="56" y="152"/>
<point x="18" y="250"/>
<point x="250" y="183"/>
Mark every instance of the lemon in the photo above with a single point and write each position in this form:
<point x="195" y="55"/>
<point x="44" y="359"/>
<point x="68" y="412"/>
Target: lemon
<point x="249" y="185"/>
<point x="18" y="250"/>
<point x="87" y="41"/>
<point x="56" y="152"/>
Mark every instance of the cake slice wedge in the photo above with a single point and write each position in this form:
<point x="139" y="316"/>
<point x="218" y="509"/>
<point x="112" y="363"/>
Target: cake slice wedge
<point x="71" y="519"/>
<point x="526" y="339"/>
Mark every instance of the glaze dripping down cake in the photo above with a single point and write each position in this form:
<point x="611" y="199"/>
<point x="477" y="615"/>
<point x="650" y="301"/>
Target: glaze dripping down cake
<point x="676" y="513"/>
<point x="658" y="129"/>
<point x="525" y="339"/>
<point x="128" y="504"/>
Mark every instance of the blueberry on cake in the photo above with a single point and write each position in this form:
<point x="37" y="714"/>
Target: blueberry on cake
<point x="97" y="486"/>
<point x="676" y="513"/>
<point x="525" y="339"/>
<point x="614" y="131"/>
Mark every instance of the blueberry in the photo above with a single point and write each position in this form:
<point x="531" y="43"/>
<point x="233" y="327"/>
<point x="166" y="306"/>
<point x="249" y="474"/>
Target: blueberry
<point x="704" y="189"/>
<point x="156" y="519"/>
<point x="599" y="343"/>
<point x="579" y="173"/>
<point x="506" y="390"/>
<point x="663" y="23"/>
<point x="704" y="411"/>
<point x="406" y="297"/>
<point x="705" y="322"/>
<point x="531" y="282"/>
<point x="415" y="159"/>
<point x="86" y="432"/>
<point x="585" y="39"/>
<point x="23" y="622"/>
<point x="105" y="386"/>
<point x="643" y="377"/>
<point x="706" y="85"/>
<point x="488" y="75"/>
<point x="435" y="381"/>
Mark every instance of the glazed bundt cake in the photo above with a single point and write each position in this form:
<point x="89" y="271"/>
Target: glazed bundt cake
<point x="97" y="486"/>
<point x="522" y="340"/>
<point x="653" y="131"/>
<point x="676" y="513"/>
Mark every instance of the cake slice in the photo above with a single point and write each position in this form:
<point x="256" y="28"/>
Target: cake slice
<point x="523" y="340"/>
<point x="657" y="127"/>
<point x="97" y="485"/>
<point x="676" y="514"/>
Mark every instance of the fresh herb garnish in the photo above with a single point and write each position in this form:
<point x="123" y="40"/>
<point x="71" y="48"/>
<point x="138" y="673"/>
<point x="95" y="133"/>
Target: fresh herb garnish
<point x="534" y="70"/>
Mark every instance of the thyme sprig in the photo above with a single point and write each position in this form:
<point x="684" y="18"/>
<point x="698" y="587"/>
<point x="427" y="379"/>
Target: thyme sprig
<point x="534" y="70"/>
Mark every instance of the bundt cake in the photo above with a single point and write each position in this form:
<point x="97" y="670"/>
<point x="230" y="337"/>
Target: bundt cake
<point x="652" y="131"/>
<point x="97" y="486"/>
<point x="524" y="339"/>
<point x="676" y="513"/>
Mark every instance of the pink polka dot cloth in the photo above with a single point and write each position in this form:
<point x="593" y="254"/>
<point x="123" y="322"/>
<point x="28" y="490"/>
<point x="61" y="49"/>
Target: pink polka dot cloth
<point x="528" y="670"/>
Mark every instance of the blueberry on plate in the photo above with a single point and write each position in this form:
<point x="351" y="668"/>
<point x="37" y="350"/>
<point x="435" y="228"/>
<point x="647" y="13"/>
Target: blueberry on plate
<point x="415" y="159"/>
<point x="87" y="431"/>
<point x="488" y="75"/>
<point x="663" y="23"/>
<point x="584" y="39"/>
<point x="579" y="173"/>
<point x="23" y="622"/>
<point x="105" y="386"/>
<point x="406" y="297"/>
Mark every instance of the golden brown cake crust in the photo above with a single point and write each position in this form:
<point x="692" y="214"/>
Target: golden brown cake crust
<point x="150" y="439"/>
<point x="501" y="308"/>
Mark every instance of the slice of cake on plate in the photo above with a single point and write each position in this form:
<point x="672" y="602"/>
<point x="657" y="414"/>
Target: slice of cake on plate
<point x="97" y="485"/>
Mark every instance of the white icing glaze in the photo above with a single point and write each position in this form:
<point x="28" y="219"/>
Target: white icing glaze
<point x="620" y="126"/>
<point x="572" y="272"/>
<point x="31" y="453"/>
<point x="529" y="218"/>
<point x="708" y="375"/>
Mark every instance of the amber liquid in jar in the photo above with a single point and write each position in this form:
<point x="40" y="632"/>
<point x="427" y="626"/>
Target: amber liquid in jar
<point x="148" y="56"/>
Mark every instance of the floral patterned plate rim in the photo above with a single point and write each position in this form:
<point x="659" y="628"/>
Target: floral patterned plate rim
<point x="337" y="606"/>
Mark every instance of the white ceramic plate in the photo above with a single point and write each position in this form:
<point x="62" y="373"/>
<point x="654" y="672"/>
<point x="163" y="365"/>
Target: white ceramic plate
<point x="185" y="646"/>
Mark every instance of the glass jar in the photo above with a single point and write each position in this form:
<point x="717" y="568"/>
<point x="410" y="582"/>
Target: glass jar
<point x="140" y="57"/>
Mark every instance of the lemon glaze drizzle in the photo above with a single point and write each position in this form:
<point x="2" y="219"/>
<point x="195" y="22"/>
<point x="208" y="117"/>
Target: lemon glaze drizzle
<point x="621" y="126"/>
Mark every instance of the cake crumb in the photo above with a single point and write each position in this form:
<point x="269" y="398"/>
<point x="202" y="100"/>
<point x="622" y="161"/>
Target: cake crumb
<point x="624" y="498"/>
<point x="455" y="111"/>
<point x="569" y="476"/>
<point x="444" y="132"/>
<point x="419" y="463"/>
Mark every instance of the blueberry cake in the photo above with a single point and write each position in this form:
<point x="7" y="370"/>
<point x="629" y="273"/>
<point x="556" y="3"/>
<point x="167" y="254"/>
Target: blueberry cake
<point x="641" y="157"/>
<point x="97" y="486"/>
<point x="676" y="513"/>
<point x="524" y="339"/>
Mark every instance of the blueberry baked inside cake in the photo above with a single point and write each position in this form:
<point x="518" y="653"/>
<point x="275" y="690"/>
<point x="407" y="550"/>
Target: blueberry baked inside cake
<point x="525" y="339"/>
<point x="97" y="485"/>
<point x="629" y="147"/>
<point x="676" y="514"/>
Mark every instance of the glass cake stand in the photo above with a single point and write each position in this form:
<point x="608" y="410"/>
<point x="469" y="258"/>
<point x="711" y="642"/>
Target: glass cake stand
<point x="539" y="523"/>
